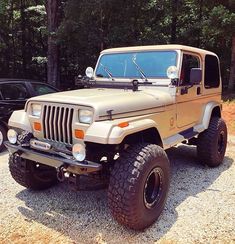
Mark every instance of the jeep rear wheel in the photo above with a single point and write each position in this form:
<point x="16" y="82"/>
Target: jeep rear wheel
<point x="212" y="143"/>
<point x="139" y="185"/>
<point x="30" y="174"/>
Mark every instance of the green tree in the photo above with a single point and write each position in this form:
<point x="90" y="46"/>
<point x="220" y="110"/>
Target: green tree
<point x="39" y="44"/>
<point x="21" y="39"/>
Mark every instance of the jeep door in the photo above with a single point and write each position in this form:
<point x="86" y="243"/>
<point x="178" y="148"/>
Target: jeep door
<point x="189" y="105"/>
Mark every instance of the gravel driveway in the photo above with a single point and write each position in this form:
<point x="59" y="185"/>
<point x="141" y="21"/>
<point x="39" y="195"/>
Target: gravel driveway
<point x="200" y="208"/>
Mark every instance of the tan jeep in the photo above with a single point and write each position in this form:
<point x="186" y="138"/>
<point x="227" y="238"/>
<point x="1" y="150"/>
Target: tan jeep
<point x="138" y="102"/>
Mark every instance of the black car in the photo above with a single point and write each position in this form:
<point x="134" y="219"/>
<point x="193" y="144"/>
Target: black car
<point x="13" y="95"/>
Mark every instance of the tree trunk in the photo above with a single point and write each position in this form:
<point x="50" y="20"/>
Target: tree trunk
<point x="23" y="39"/>
<point x="52" y="8"/>
<point x="174" y="9"/>
<point x="231" y="84"/>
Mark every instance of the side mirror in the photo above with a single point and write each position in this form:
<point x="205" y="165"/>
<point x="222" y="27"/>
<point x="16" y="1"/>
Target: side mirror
<point x="89" y="72"/>
<point x="195" y="76"/>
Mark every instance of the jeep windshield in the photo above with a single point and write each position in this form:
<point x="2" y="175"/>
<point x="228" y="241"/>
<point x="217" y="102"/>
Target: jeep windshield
<point x="153" y="64"/>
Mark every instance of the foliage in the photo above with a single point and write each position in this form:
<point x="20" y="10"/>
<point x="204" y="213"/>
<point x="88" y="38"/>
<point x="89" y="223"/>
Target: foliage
<point x="22" y="37"/>
<point x="89" y="26"/>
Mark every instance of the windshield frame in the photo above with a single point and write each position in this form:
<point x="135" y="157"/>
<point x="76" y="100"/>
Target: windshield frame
<point x="124" y="79"/>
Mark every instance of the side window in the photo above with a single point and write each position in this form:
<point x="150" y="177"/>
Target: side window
<point x="14" y="91"/>
<point x="41" y="89"/>
<point x="212" y="73"/>
<point x="189" y="62"/>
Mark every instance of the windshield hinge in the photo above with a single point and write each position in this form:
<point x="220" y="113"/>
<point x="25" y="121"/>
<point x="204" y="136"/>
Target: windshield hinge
<point x="135" y="84"/>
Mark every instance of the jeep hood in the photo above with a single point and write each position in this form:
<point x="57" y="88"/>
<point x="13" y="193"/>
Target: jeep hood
<point x="123" y="103"/>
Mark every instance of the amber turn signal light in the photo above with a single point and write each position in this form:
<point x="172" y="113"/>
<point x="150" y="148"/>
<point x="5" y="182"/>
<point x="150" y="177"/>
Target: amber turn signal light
<point x="37" y="126"/>
<point x="79" y="134"/>
<point x="123" y="124"/>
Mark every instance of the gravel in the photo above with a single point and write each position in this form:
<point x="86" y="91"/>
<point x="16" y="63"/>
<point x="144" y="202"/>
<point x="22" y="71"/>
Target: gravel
<point x="200" y="208"/>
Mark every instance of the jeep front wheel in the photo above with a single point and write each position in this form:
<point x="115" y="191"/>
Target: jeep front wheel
<point x="212" y="143"/>
<point x="30" y="174"/>
<point x="139" y="185"/>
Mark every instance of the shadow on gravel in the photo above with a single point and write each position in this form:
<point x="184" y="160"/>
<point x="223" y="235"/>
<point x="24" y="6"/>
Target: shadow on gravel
<point x="83" y="215"/>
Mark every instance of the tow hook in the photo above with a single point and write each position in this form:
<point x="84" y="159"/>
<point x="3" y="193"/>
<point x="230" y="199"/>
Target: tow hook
<point x="61" y="171"/>
<point x="73" y="180"/>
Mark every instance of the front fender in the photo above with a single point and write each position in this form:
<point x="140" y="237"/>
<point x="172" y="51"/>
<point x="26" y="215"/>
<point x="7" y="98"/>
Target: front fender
<point x="109" y="132"/>
<point x="19" y="119"/>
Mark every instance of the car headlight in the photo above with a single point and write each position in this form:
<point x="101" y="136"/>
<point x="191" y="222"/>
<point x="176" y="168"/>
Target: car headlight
<point x="36" y="109"/>
<point x="12" y="136"/>
<point x="85" y="116"/>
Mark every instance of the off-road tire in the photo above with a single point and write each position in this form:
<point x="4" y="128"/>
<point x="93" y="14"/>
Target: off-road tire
<point x="212" y="143"/>
<point x="31" y="174"/>
<point x="3" y="133"/>
<point x="127" y="192"/>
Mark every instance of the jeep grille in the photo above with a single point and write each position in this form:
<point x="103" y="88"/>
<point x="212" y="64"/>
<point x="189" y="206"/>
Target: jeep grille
<point x="57" y="123"/>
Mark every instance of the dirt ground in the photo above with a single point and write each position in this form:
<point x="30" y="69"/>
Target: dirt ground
<point x="200" y="209"/>
<point x="229" y="116"/>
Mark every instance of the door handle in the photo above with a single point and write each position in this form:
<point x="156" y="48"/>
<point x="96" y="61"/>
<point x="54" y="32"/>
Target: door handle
<point x="198" y="90"/>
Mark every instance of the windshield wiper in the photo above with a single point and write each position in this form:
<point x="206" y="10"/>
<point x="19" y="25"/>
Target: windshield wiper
<point x="139" y="68"/>
<point x="107" y="71"/>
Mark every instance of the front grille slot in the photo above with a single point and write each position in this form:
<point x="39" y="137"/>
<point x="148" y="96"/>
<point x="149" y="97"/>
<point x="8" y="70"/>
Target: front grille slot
<point x="57" y="123"/>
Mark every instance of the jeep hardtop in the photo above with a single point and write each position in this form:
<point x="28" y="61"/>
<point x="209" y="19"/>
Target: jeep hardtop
<point x="135" y="104"/>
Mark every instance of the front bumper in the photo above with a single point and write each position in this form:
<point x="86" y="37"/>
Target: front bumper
<point x="56" y="161"/>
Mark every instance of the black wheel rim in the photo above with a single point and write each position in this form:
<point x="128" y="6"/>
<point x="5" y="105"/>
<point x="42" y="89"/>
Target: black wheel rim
<point x="153" y="188"/>
<point x="221" y="142"/>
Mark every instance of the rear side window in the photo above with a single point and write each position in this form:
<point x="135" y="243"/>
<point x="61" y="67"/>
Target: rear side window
<point x="14" y="91"/>
<point x="212" y="72"/>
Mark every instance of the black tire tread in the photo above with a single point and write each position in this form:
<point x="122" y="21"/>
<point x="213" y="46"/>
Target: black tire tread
<point x="206" y="142"/>
<point x="22" y="172"/>
<point x="123" y="183"/>
<point x="3" y="129"/>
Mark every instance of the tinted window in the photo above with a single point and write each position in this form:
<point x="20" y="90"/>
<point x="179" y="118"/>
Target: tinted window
<point x="41" y="89"/>
<point x="14" y="91"/>
<point x="154" y="64"/>
<point x="212" y="73"/>
<point x="189" y="62"/>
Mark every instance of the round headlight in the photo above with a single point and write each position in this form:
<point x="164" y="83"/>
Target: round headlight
<point x="79" y="152"/>
<point x="85" y="116"/>
<point x="12" y="136"/>
<point x="36" y="110"/>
